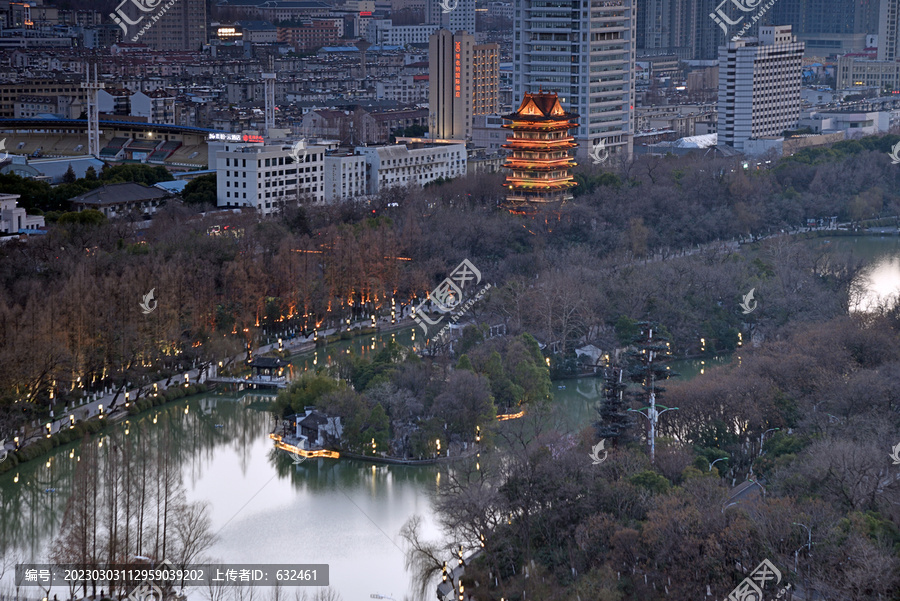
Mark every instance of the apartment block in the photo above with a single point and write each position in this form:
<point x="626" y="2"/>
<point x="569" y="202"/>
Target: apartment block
<point x="267" y="178"/>
<point x="585" y="52"/>
<point x="183" y="26"/>
<point x="10" y="92"/>
<point x="759" y="86"/>
<point x="345" y="176"/>
<point x="399" y="165"/>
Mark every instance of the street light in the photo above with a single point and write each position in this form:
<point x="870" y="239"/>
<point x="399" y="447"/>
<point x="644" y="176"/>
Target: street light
<point x="808" y="544"/>
<point x="761" y="439"/>
<point x="49" y="429"/>
<point x="715" y="462"/>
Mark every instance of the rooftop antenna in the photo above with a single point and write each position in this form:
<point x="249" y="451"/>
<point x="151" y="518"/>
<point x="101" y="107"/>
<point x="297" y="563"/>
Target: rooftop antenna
<point x="92" y="87"/>
<point x="269" y="82"/>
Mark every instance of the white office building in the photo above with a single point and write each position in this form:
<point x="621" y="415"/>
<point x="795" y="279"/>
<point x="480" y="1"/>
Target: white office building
<point x="460" y="17"/>
<point x="759" y="86"/>
<point x="382" y="31"/>
<point x="398" y="165"/>
<point x="267" y="178"/>
<point x="345" y="176"/>
<point x="585" y="52"/>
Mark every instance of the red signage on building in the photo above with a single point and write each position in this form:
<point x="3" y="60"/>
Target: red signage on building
<point x="253" y="138"/>
<point x="457" y="69"/>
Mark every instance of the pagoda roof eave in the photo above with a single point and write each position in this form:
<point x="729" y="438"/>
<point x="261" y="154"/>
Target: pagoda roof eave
<point x="541" y="118"/>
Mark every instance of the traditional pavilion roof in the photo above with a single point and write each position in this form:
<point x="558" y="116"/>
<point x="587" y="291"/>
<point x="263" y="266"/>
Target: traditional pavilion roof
<point x="542" y="106"/>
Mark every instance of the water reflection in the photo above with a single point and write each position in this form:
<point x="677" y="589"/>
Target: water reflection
<point x="265" y="508"/>
<point x="878" y="287"/>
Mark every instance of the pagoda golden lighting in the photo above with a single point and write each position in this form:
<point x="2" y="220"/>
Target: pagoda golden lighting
<point x="539" y="161"/>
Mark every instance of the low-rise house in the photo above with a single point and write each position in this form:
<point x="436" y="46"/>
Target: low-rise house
<point x="14" y="219"/>
<point x="315" y="430"/>
<point x="117" y="200"/>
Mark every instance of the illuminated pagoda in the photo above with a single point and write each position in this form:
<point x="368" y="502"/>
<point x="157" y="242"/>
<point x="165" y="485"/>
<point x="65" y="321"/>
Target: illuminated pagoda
<point x="539" y="160"/>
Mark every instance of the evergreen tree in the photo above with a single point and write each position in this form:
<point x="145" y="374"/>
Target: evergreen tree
<point x="90" y="174"/>
<point x="615" y="421"/>
<point x="647" y="358"/>
<point x="69" y="176"/>
<point x="464" y="363"/>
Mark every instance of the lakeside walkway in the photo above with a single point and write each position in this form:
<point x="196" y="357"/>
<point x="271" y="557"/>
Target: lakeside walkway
<point x="113" y="401"/>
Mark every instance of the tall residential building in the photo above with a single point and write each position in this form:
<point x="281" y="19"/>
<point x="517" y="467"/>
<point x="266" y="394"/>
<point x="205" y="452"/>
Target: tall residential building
<point x="585" y="52"/>
<point x="183" y="26"/>
<point x="464" y="81"/>
<point x="460" y="17"/>
<point x="667" y="27"/>
<point x="888" y="39"/>
<point x="759" y="86"/>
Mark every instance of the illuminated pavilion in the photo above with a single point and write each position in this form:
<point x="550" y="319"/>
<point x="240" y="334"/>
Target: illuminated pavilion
<point x="539" y="160"/>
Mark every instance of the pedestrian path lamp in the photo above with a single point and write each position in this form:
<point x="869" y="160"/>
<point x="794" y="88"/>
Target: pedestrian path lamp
<point x="16" y="440"/>
<point x="187" y="380"/>
<point x="127" y="399"/>
<point x="71" y="422"/>
<point x="49" y="429"/>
